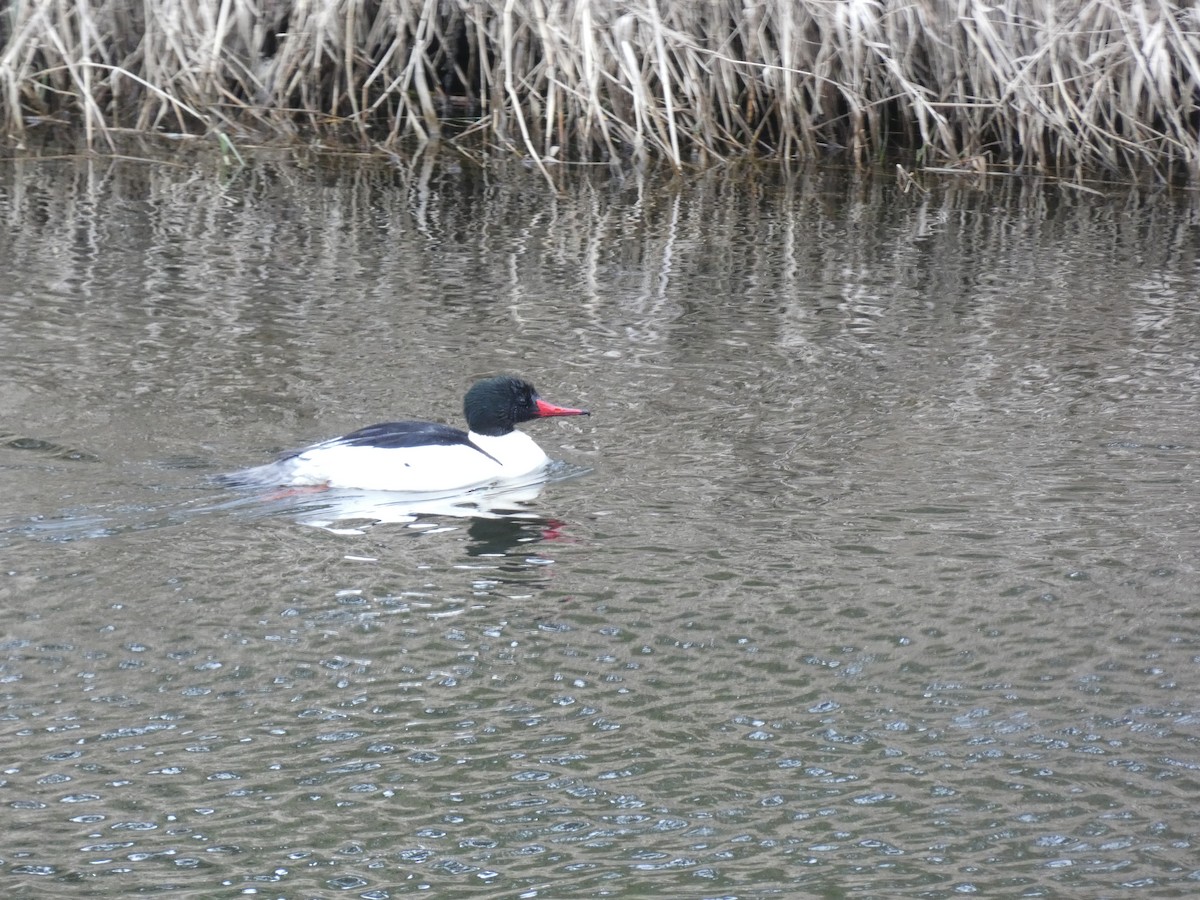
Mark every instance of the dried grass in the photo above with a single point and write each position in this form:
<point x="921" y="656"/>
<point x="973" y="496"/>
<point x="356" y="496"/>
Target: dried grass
<point x="1067" y="86"/>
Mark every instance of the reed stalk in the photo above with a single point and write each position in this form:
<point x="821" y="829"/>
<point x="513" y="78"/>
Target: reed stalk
<point x="1065" y="86"/>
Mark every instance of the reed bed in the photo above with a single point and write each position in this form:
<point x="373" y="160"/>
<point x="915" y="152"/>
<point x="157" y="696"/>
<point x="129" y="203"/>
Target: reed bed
<point x="1064" y="86"/>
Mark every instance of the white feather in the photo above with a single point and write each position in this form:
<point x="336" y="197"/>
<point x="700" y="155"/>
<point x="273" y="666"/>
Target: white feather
<point x="425" y="468"/>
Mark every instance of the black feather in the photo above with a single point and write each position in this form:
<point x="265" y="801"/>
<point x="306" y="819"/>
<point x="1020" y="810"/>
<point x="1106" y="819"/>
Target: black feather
<point x="398" y="435"/>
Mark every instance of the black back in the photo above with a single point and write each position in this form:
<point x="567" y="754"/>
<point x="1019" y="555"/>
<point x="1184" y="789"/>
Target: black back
<point x="395" y="435"/>
<point x="398" y="435"/>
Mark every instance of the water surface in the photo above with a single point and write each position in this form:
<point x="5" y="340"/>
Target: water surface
<point x="880" y="580"/>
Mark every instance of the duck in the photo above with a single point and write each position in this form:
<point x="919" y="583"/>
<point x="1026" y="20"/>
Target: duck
<point x="425" y="457"/>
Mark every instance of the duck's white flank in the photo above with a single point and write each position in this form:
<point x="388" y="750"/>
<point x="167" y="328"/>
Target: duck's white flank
<point x="428" y="468"/>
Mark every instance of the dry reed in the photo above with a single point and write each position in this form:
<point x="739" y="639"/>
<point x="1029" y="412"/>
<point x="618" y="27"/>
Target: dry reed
<point x="1068" y="86"/>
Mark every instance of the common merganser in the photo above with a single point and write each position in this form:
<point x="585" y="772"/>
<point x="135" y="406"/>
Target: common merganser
<point x="425" y="456"/>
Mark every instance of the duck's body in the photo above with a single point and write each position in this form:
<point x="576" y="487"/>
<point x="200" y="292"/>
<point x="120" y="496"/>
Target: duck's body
<point x="410" y="456"/>
<point x="425" y="456"/>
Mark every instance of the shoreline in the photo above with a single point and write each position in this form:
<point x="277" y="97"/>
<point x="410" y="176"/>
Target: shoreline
<point x="1071" y="88"/>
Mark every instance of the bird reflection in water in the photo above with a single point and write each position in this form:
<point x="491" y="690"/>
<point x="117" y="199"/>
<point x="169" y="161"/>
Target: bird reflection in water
<point x="499" y="517"/>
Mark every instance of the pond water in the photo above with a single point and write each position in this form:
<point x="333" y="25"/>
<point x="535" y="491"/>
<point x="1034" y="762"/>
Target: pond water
<point x="875" y="572"/>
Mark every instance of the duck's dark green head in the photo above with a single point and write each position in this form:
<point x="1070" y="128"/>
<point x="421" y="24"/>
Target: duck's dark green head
<point x="494" y="406"/>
